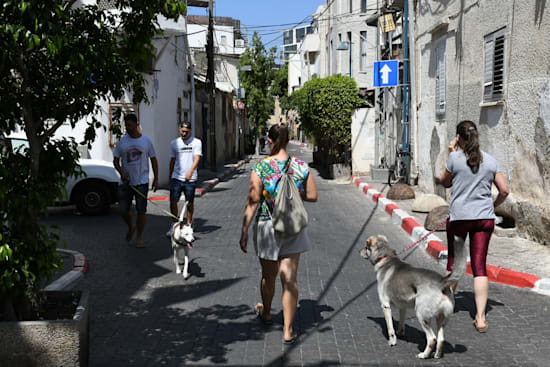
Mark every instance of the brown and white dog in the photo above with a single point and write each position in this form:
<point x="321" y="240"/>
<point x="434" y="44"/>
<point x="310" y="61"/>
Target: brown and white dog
<point x="182" y="239"/>
<point x="404" y="286"/>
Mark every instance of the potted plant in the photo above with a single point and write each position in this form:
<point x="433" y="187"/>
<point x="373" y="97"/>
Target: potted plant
<point x="58" y="58"/>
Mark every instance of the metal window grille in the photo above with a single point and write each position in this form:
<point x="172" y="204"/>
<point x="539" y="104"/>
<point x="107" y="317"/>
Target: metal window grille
<point x="441" y="79"/>
<point x="494" y="71"/>
<point x="106" y="4"/>
<point x="117" y="110"/>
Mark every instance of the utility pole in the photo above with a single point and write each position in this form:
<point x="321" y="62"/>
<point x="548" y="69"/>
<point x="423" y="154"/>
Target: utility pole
<point x="211" y="87"/>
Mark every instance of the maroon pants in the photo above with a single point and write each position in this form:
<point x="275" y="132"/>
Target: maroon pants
<point x="480" y="232"/>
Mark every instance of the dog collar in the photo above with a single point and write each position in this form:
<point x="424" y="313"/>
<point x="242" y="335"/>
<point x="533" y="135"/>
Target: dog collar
<point x="382" y="258"/>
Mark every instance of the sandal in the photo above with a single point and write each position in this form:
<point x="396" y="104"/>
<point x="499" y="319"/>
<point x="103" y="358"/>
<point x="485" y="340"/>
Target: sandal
<point x="258" y="310"/>
<point x="481" y="329"/>
<point x="291" y="340"/>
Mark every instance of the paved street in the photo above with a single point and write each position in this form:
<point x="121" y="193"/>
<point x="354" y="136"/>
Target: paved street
<point x="144" y="314"/>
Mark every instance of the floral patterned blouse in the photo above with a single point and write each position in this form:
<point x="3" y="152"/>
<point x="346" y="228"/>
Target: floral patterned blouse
<point x="269" y="170"/>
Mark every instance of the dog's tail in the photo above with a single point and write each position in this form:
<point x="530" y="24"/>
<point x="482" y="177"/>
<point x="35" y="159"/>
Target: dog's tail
<point x="459" y="267"/>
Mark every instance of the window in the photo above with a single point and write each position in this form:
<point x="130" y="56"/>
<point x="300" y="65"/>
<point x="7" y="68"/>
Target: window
<point x="493" y="87"/>
<point x="350" y="6"/>
<point x="117" y="110"/>
<point x="440" y="78"/>
<point x="300" y="34"/>
<point x="288" y="37"/>
<point x="363" y="51"/>
<point x="363" y="6"/>
<point x="224" y="40"/>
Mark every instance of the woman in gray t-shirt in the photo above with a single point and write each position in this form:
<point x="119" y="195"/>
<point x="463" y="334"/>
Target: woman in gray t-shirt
<point x="471" y="174"/>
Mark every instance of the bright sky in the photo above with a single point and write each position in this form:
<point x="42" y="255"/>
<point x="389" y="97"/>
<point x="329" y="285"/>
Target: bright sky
<point x="274" y="13"/>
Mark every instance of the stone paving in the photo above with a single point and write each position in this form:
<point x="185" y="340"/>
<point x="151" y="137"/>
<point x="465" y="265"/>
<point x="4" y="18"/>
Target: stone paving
<point x="144" y="314"/>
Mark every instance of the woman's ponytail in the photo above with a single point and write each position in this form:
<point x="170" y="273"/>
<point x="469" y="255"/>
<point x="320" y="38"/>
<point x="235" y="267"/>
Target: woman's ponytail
<point x="468" y="133"/>
<point x="279" y="136"/>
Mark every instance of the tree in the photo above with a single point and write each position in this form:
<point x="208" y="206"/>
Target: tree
<point x="325" y="107"/>
<point x="259" y="102"/>
<point x="57" y="60"/>
<point x="280" y="87"/>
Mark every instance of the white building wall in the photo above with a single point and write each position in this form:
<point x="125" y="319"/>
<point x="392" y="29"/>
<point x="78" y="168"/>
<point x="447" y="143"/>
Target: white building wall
<point x="362" y="140"/>
<point x="339" y="20"/>
<point x="159" y="118"/>
<point x="294" y="72"/>
<point x="516" y="130"/>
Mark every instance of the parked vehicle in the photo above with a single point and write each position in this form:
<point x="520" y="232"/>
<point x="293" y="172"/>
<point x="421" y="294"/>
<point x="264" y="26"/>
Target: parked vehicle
<point x="92" y="193"/>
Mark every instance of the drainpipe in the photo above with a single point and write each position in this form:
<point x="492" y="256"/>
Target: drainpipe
<point x="406" y="85"/>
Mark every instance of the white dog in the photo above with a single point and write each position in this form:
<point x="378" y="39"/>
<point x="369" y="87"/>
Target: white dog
<point x="182" y="239"/>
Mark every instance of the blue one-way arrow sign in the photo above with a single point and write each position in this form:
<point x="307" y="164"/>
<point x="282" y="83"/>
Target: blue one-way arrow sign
<point x="386" y="73"/>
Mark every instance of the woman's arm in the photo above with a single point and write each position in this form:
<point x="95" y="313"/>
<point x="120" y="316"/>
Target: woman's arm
<point x="310" y="193"/>
<point x="254" y="196"/>
<point x="446" y="179"/>
<point x="502" y="186"/>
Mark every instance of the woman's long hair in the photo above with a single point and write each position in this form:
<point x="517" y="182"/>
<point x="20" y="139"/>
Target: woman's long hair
<point x="279" y="136"/>
<point x="468" y="133"/>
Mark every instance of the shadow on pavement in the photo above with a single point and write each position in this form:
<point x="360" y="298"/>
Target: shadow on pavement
<point x="414" y="335"/>
<point x="323" y="322"/>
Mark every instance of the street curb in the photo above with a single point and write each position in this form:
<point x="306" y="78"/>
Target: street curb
<point x="300" y="143"/>
<point x="71" y="278"/>
<point x="208" y="185"/>
<point x="435" y="247"/>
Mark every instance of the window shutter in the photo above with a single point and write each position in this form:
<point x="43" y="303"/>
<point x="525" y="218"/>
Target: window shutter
<point x="493" y="86"/>
<point x="489" y="56"/>
<point x="440" y="80"/>
<point x="498" y="68"/>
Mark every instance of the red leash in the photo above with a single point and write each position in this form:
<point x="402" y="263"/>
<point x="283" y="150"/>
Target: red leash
<point x="426" y="235"/>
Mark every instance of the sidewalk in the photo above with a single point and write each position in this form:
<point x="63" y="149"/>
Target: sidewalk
<point x="206" y="180"/>
<point x="511" y="260"/>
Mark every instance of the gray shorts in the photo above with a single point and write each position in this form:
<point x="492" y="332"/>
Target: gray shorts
<point x="126" y="193"/>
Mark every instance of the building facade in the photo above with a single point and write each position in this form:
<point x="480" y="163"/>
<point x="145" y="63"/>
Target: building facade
<point x="487" y="61"/>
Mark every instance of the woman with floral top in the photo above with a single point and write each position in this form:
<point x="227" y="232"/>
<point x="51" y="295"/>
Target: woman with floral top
<point x="276" y="254"/>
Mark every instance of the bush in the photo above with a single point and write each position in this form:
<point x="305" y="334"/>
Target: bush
<point x="325" y="107"/>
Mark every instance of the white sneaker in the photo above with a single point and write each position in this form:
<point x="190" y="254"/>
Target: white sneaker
<point x="169" y="233"/>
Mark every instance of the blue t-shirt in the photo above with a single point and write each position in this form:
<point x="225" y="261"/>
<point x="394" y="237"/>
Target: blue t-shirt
<point x="471" y="192"/>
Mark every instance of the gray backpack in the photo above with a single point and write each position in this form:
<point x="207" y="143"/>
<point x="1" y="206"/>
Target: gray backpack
<point x="289" y="214"/>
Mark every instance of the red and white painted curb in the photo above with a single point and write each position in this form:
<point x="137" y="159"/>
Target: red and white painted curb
<point x="208" y="185"/>
<point x="71" y="278"/>
<point x="435" y="247"/>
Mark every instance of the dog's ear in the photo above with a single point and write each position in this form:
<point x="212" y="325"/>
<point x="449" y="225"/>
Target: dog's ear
<point x="371" y="241"/>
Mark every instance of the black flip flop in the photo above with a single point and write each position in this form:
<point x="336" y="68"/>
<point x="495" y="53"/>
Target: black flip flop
<point x="291" y="340"/>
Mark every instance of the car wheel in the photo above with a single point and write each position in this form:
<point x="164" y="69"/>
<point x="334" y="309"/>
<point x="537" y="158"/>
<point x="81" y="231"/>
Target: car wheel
<point x="92" y="198"/>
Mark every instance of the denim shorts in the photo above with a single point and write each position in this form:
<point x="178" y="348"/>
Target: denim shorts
<point x="126" y="193"/>
<point x="188" y="188"/>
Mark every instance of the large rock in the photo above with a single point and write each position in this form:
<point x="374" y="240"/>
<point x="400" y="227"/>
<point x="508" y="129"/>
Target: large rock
<point x="426" y="202"/>
<point x="400" y="192"/>
<point x="435" y="217"/>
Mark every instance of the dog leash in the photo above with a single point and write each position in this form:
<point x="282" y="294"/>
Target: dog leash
<point x="440" y="225"/>
<point x="152" y="202"/>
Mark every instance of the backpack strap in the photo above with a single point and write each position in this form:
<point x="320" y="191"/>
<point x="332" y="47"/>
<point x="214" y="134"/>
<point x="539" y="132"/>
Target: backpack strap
<point x="285" y="170"/>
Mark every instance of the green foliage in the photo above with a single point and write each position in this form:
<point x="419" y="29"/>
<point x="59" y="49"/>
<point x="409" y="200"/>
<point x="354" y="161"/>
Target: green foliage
<point x="325" y="107"/>
<point x="280" y="87"/>
<point x="57" y="60"/>
<point x="259" y="102"/>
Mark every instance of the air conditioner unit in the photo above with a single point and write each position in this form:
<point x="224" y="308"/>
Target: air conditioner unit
<point x="239" y="43"/>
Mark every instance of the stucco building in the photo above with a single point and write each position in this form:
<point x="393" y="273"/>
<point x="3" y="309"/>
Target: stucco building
<point x="487" y="61"/>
